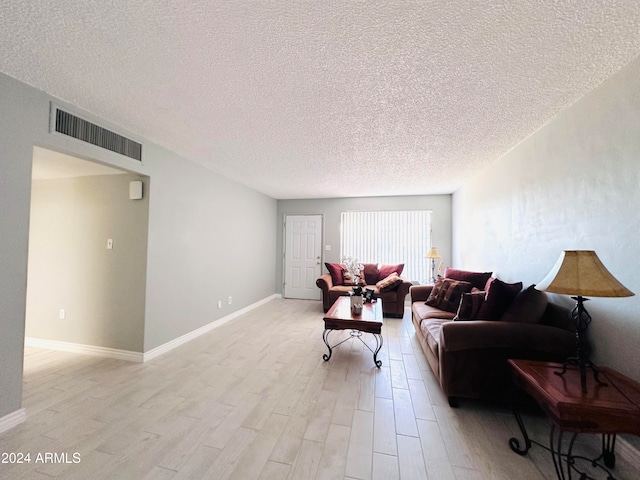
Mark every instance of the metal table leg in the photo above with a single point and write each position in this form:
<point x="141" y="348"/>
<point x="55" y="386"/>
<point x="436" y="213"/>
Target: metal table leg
<point x="379" y="341"/>
<point x="608" y="455"/>
<point x="325" y="339"/>
<point x="514" y="443"/>
<point x="566" y="463"/>
<point x="357" y="334"/>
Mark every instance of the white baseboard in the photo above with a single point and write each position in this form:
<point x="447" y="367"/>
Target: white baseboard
<point x="13" y="419"/>
<point x="139" y="357"/>
<point x="629" y="452"/>
<point x="175" y="343"/>
<point x="84" y="349"/>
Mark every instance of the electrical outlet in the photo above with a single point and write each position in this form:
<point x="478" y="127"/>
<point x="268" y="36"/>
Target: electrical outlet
<point x="229" y="300"/>
<point x="219" y="303"/>
<point x="62" y="314"/>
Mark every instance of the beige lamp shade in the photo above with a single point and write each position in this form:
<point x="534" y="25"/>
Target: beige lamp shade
<point x="581" y="273"/>
<point x="433" y="253"/>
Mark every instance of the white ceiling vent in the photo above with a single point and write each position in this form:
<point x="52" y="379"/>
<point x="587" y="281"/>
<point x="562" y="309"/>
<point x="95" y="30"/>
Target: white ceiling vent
<point x="76" y="127"/>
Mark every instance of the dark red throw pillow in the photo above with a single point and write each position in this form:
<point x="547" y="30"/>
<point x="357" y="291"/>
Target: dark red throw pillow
<point x="527" y="307"/>
<point x="446" y="294"/>
<point x="346" y="278"/>
<point x="386" y="270"/>
<point x="477" y="279"/>
<point x="371" y="274"/>
<point x="499" y="297"/>
<point x="335" y="270"/>
<point x="470" y="305"/>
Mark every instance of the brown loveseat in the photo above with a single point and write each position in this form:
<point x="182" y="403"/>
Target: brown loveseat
<point x="393" y="297"/>
<point x="469" y="358"/>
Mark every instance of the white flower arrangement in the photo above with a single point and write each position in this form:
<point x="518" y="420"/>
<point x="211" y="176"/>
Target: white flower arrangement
<point x="355" y="269"/>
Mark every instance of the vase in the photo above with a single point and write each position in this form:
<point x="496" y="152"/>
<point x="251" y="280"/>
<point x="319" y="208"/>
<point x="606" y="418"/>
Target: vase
<point x="356" y="304"/>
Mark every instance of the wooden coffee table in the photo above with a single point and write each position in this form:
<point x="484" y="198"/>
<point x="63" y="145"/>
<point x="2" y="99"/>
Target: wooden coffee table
<point x="339" y="317"/>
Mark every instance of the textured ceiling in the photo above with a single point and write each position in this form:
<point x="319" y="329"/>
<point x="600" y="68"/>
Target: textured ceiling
<point x="323" y="99"/>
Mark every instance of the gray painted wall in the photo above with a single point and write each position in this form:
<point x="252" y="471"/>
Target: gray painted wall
<point x="210" y="238"/>
<point x="574" y="184"/>
<point x="18" y="117"/>
<point x="207" y="234"/>
<point x="331" y="208"/>
<point x="101" y="290"/>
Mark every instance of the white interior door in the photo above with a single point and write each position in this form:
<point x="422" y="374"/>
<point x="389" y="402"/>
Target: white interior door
<point x="302" y="256"/>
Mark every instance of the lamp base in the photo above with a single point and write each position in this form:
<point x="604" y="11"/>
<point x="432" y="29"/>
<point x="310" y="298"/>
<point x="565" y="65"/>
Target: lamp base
<point x="433" y="271"/>
<point x="581" y="320"/>
<point x="582" y="364"/>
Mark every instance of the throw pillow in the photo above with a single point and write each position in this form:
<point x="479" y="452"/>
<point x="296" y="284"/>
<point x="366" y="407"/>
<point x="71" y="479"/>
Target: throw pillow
<point x="446" y="294"/>
<point x="386" y="270"/>
<point x="392" y="282"/>
<point x="477" y="279"/>
<point x="335" y="270"/>
<point x="499" y="297"/>
<point x="435" y="292"/>
<point x="470" y="304"/>
<point x="371" y="274"/>
<point x="346" y="277"/>
<point x="528" y="306"/>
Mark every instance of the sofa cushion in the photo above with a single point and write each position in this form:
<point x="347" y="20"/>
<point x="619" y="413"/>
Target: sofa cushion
<point x="528" y="306"/>
<point x="477" y="279"/>
<point x="446" y="294"/>
<point x="470" y="304"/>
<point x="499" y="297"/>
<point x="335" y="270"/>
<point x="342" y="289"/>
<point x="421" y="310"/>
<point x="371" y="273"/>
<point x="389" y="283"/>
<point x="386" y="270"/>
<point x="430" y="329"/>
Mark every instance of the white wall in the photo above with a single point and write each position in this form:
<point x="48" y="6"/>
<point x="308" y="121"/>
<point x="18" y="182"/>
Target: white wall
<point x="209" y="237"/>
<point x="331" y="208"/>
<point x="574" y="184"/>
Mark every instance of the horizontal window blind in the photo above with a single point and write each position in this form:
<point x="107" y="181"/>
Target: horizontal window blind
<point x="389" y="237"/>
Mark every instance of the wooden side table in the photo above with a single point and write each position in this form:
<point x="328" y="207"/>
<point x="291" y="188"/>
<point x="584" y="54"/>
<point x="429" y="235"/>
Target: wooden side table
<point x="607" y="409"/>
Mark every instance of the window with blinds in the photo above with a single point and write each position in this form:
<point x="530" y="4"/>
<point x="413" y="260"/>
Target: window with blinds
<point x="389" y="237"/>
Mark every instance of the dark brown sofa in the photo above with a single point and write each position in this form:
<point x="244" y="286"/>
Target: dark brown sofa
<point x="393" y="301"/>
<point x="469" y="358"/>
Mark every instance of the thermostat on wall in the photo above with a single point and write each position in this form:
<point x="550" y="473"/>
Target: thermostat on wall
<point x="135" y="190"/>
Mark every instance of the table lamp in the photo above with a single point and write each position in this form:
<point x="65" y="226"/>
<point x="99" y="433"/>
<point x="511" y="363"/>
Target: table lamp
<point x="433" y="254"/>
<point x="580" y="273"/>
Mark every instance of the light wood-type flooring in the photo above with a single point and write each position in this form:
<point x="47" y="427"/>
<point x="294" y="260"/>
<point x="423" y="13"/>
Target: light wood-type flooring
<point x="253" y="399"/>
